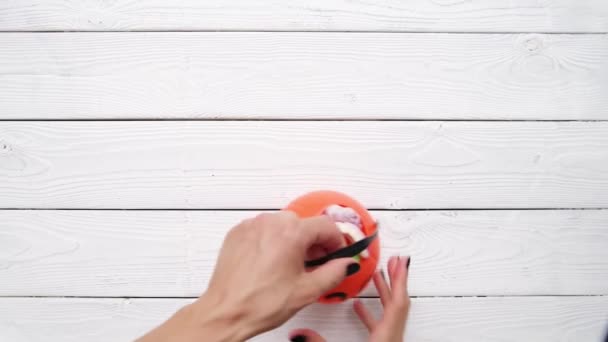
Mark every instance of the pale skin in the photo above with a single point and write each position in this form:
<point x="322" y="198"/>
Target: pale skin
<point x="260" y="282"/>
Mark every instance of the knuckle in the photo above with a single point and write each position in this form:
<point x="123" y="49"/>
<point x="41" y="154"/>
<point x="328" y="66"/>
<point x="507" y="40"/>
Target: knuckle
<point x="281" y="218"/>
<point x="288" y="219"/>
<point x="263" y="219"/>
<point x="290" y="237"/>
<point x="233" y="233"/>
<point x="402" y="303"/>
<point x="325" y="220"/>
<point x="244" y="223"/>
<point x="329" y="224"/>
<point x="241" y="230"/>
<point x="289" y="215"/>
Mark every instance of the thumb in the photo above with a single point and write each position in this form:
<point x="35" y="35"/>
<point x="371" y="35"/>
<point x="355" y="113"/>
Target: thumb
<point x="305" y="335"/>
<point x="326" y="277"/>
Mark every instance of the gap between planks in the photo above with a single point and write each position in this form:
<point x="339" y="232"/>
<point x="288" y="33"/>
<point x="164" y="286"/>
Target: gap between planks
<point x="360" y="297"/>
<point x="312" y="31"/>
<point x="295" y="120"/>
<point x="273" y="209"/>
<point x="315" y="16"/>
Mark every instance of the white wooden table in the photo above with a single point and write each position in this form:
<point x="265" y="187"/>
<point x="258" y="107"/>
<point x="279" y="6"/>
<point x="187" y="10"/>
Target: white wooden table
<point x="134" y="134"/>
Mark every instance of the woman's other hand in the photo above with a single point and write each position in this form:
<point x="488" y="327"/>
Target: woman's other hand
<point x="394" y="299"/>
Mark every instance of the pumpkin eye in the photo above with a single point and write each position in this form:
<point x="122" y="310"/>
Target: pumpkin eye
<point x="338" y="295"/>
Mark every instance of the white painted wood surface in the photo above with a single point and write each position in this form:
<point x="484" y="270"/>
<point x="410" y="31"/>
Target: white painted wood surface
<point x="545" y="271"/>
<point x="258" y="164"/>
<point x="314" y="15"/>
<point x="303" y="75"/>
<point x="498" y="319"/>
<point x="172" y="253"/>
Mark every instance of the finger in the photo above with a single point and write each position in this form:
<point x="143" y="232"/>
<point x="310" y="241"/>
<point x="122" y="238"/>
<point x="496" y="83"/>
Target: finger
<point x="364" y="315"/>
<point x="392" y="268"/>
<point x="320" y="231"/>
<point x="395" y="314"/>
<point x="382" y="287"/>
<point x="324" y="278"/>
<point x="285" y="217"/>
<point x="399" y="289"/>
<point x="305" y="335"/>
<point x="315" y="252"/>
<point x="407" y="274"/>
<point x="278" y="220"/>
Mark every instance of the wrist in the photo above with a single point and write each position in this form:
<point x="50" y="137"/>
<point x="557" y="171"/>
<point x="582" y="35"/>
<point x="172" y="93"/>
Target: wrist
<point x="220" y="322"/>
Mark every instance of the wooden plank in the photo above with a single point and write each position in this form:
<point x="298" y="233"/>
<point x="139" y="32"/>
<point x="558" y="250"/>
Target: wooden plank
<point x="173" y="253"/>
<point x="539" y="319"/>
<point x="259" y="164"/>
<point x="303" y="75"/>
<point x="315" y="15"/>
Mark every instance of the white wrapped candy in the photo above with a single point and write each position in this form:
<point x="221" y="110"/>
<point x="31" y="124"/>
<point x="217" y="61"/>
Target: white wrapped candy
<point x="349" y="223"/>
<point x="339" y="213"/>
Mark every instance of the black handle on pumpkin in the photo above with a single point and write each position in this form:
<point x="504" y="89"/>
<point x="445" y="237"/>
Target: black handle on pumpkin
<point x="346" y="252"/>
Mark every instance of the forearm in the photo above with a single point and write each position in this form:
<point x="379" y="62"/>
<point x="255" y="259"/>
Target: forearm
<point x="201" y="321"/>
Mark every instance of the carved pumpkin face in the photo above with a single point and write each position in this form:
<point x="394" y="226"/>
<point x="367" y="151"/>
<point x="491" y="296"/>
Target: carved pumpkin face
<point x="315" y="204"/>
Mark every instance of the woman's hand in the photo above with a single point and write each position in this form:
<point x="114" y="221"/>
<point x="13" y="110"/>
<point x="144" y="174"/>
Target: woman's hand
<point x="395" y="300"/>
<point x="260" y="280"/>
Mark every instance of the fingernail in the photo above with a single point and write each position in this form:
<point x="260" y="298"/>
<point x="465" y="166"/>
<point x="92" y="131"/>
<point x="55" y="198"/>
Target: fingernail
<point x="352" y="269"/>
<point x="407" y="265"/>
<point x="298" y="338"/>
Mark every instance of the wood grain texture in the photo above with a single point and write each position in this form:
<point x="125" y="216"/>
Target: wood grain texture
<point x="315" y="15"/>
<point x="173" y="253"/>
<point x="303" y="75"/>
<point x="538" y="319"/>
<point x="264" y="165"/>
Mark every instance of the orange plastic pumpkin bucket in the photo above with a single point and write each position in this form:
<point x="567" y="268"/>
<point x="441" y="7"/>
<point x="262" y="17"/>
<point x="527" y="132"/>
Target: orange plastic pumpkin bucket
<point x="314" y="204"/>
